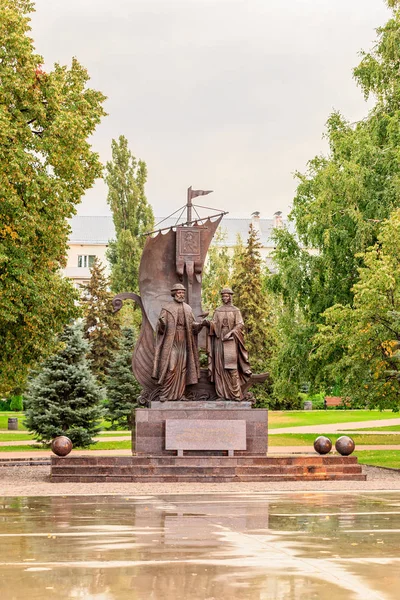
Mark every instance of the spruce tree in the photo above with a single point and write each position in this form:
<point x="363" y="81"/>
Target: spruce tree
<point x="252" y="300"/>
<point x="63" y="398"/>
<point x="132" y="215"/>
<point x="122" y="387"/>
<point x="101" y="326"/>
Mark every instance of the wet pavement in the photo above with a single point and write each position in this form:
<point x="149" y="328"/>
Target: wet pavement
<point x="254" y="546"/>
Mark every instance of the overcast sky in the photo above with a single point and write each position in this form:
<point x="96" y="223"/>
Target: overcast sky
<point x="229" y="95"/>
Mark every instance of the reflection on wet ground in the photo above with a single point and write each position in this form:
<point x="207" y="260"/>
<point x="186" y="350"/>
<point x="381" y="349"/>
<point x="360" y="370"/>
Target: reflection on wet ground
<point x="254" y="547"/>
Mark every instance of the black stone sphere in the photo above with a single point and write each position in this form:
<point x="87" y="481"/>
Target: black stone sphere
<point x="345" y="445"/>
<point x="322" y="445"/>
<point x="61" y="445"/>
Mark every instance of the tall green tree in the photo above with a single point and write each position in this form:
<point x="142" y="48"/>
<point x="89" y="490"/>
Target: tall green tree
<point x="254" y="304"/>
<point x="216" y="272"/>
<point x="132" y="215"/>
<point x="101" y="325"/>
<point x="122" y="387"/>
<point x="340" y="201"/>
<point x="64" y="397"/>
<point x="46" y="164"/>
<point x="360" y="342"/>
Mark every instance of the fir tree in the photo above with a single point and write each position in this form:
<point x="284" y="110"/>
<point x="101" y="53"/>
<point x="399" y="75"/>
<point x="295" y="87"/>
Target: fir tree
<point x="101" y="326"/>
<point x="132" y="215"/>
<point x="122" y="387"/>
<point x="64" y="398"/>
<point x="257" y="311"/>
<point x="253" y="302"/>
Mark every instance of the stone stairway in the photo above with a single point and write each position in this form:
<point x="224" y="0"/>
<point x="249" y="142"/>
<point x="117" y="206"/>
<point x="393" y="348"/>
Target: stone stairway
<point x="208" y="469"/>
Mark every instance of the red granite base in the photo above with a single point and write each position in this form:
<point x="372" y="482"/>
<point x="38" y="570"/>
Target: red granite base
<point x="149" y="436"/>
<point x="207" y="469"/>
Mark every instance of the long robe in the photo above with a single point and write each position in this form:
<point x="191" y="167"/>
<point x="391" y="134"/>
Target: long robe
<point x="229" y="366"/>
<point x="176" y="360"/>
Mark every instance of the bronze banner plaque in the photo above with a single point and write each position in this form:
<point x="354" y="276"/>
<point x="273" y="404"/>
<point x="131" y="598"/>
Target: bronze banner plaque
<point x="210" y="434"/>
<point x="230" y="354"/>
<point x="188" y="242"/>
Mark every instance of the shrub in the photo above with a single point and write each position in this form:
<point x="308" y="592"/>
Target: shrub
<point x="16" y="403"/>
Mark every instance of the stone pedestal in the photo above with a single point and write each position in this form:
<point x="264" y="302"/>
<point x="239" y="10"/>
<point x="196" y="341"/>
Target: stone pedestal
<point x="151" y="426"/>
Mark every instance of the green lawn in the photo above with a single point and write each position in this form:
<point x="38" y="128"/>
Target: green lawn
<point x="294" y="418"/>
<point x="20" y="415"/>
<point x="124" y="445"/>
<point x="293" y="439"/>
<point x="4" y="420"/>
<point x="26" y="448"/>
<point x="307" y="439"/>
<point x="380" y="458"/>
<point x="114" y="433"/>
<point x="277" y="419"/>
<point x="15" y="437"/>
<point x="387" y="428"/>
<point x="26" y="437"/>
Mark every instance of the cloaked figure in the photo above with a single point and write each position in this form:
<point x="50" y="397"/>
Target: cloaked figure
<point x="176" y="360"/>
<point x="229" y="366"/>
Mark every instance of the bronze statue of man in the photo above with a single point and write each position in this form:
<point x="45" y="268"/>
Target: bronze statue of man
<point x="229" y="366"/>
<point x="176" y="360"/>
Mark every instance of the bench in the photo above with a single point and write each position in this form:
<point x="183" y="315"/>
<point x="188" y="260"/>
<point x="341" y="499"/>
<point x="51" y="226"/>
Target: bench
<point x="333" y="401"/>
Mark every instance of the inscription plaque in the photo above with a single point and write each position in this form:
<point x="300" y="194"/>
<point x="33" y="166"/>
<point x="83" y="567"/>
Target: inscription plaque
<point x="198" y="434"/>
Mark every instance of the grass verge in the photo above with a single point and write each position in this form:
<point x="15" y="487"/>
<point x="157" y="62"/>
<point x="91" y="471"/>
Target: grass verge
<point x="294" y="418"/>
<point x="123" y="445"/>
<point x="380" y="458"/>
<point x="384" y="429"/>
<point x="16" y="437"/>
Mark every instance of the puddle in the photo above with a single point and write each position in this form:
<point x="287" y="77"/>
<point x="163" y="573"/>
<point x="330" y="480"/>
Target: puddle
<point x="296" y="546"/>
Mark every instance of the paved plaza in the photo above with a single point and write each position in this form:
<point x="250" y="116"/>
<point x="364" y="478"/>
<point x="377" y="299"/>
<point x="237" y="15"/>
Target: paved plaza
<point x="247" y="546"/>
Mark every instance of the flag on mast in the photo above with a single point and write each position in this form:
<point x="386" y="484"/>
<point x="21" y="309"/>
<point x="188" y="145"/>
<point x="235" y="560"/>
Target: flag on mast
<point x="195" y="193"/>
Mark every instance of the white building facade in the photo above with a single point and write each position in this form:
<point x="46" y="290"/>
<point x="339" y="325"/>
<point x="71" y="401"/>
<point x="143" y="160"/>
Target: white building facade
<point x="90" y="236"/>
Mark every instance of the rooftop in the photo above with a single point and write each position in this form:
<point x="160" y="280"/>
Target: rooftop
<point x="99" y="230"/>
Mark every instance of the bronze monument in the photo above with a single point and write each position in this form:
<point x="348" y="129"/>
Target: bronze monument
<point x="166" y="356"/>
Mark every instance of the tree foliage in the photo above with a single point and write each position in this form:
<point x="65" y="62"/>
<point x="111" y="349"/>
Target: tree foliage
<point x="46" y="164"/>
<point x="64" y="398"/>
<point x="101" y="325"/>
<point x="132" y="215"/>
<point x="340" y="201"/>
<point x="122" y="387"/>
<point x="216" y="272"/>
<point x="254" y="304"/>
<point x="361" y="342"/>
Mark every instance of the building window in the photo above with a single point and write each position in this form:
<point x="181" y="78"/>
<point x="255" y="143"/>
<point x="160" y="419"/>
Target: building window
<point x="86" y="260"/>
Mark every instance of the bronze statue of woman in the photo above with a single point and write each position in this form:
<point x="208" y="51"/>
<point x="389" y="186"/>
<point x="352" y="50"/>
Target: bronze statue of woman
<point x="229" y="366"/>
